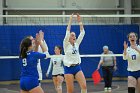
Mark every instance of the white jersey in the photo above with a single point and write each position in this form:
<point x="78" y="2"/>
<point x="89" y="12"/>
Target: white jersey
<point x="133" y="58"/>
<point x="39" y="64"/>
<point x="72" y="55"/>
<point x="57" y="66"/>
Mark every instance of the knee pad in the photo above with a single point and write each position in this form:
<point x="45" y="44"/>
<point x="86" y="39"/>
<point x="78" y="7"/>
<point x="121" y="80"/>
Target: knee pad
<point x="131" y="90"/>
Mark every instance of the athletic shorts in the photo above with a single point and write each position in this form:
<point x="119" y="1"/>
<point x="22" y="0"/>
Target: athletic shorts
<point x="58" y="75"/>
<point x="135" y="74"/>
<point x="28" y="83"/>
<point x="72" y="69"/>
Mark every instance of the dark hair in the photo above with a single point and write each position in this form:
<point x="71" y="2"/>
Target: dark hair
<point x="134" y="33"/>
<point x="25" y="43"/>
<point x="60" y="48"/>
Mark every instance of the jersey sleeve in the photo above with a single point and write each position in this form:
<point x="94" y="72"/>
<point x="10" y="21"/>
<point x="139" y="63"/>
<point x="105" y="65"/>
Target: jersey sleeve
<point x="38" y="55"/>
<point x="66" y="39"/>
<point x="80" y="37"/>
<point x="50" y="66"/>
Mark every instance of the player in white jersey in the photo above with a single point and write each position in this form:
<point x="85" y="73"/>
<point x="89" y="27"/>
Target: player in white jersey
<point x="39" y="64"/>
<point x="57" y="69"/>
<point x="132" y="54"/>
<point x="72" y="58"/>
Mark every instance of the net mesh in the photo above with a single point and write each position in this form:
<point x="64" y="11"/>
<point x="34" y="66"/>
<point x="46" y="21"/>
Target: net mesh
<point x="63" y="19"/>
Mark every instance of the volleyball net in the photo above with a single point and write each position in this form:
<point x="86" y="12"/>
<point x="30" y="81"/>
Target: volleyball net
<point x="63" y="19"/>
<point x="12" y="25"/>
<point x="110" y="30"/>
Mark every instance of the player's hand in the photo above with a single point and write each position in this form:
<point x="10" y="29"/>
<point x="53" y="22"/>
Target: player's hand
<point x="125" y="45"/>
<point x="38" y="39"/>
<point x="41" y="34"/>
<point x="71" y="16"/>
<point x="78" y="18"/>
<point x="134" y="47"/>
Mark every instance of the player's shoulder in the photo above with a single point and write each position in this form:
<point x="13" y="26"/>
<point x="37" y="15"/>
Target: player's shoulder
<point x="32" y="53"/>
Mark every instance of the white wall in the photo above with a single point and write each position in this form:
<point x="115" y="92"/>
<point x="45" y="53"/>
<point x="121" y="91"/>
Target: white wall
<point x="58" y="3"/>
<point x="34" y="3"/>
<point x="1" y="12"/>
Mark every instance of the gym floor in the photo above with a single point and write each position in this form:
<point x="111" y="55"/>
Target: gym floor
<point x="48" y="87"/>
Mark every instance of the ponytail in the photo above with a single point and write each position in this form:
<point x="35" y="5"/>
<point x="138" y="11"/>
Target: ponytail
<point x="25" y="43"/>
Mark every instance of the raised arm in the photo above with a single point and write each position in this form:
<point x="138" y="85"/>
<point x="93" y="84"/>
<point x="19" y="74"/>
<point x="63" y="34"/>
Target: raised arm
<point x="67" y="36"/>
<point x="39" y="40"/>
<point x="69" y="23"/>
<point x="82" y="31"/>
<point x="125" y="50"/>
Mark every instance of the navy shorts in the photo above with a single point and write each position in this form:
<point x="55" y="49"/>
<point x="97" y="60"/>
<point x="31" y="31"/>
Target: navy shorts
<point x="28" y="83"/>
<point x="135" y="74"/>
<point x="58" y="75"/>
<point x="72" y="69"/>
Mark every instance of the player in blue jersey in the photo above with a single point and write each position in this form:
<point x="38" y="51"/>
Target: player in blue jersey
<point x="38" y="49"/>
<point x="29" y="75"/>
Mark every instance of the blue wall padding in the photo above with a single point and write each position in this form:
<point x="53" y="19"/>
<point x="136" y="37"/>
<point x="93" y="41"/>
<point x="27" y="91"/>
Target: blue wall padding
<point x="96" y="37"/>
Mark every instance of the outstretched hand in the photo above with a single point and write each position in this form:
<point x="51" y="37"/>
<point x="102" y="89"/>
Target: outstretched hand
<point x="125" y="45"/>
<point x="71" y="16"/>
<point x="41" y="34"/>
<point x="78" y="17"/>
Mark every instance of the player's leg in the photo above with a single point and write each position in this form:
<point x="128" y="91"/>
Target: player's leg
<point x="132" y="82"/>
<point x="37" y="89"/>
<point x="55" y="82"/>
<point x="60" y="80"/>
<point x="82" y="81"/>
<point x="138" y="85"/>
<point x="69" y="78"/>
<point x="22" y="91"/>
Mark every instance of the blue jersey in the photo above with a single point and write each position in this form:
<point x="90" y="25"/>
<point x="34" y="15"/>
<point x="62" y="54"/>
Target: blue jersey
<point x="29" y="64"/>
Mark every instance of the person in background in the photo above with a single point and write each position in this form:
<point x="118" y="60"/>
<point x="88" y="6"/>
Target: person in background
<point x="108" y="66"/>
<point x="57" y="69"/>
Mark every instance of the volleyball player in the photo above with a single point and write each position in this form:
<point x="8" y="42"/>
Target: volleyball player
<point x="39" y="50"/>
<point x="72" y="58"/>
<point x="58" y="69"/>
<point x="29" y="75"/>
<point x="132" y="54"/>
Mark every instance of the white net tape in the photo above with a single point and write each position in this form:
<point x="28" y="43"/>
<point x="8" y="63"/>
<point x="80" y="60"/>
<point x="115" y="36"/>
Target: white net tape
<point x="54" y="56"/>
